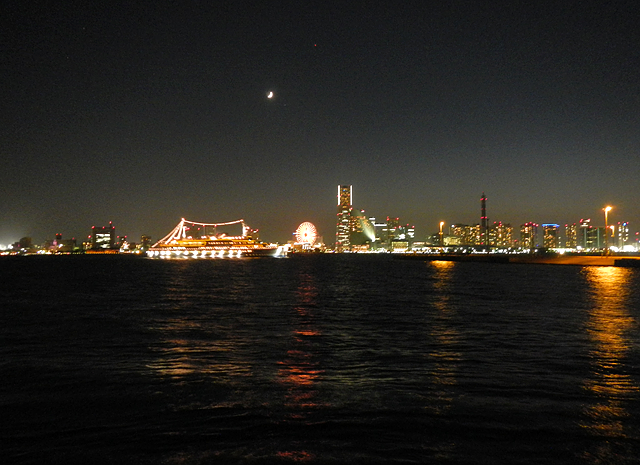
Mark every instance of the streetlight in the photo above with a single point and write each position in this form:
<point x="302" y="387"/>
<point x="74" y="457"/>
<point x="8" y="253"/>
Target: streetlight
<point x="613" y="233"/>
<point x="441" y="238"/>
<point x="606" y="209"/>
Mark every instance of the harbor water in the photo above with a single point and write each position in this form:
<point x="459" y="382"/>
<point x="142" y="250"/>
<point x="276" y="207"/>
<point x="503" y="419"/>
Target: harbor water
<point x="318" y="359"/>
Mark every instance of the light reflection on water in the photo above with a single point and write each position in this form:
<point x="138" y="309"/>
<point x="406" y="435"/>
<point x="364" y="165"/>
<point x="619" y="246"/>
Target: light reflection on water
<point x="610" y="383"/>
<point x="444" y="334"/>
<point x="445" y="355"/>
<point x="340" y="357"/>
<point x="300" y="371"/>
<point x="323" y="344"/>
<point x="194" y="338"/>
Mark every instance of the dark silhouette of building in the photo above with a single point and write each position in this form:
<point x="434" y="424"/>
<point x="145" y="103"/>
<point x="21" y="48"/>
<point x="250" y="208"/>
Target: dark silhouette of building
<point x="483" y="221"/>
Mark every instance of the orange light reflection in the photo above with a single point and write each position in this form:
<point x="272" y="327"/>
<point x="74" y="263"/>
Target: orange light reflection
<point x="610" y="382"/>
<point x="180" y="357"/>
<point x="442" y="330"/>
<point x="300" y="370"/>
<point x="296" y="455"/>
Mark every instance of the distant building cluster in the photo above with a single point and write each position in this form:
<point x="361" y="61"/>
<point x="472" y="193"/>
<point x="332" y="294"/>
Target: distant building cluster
<point x="357" y="233"/>
<point x="102" y="240"/>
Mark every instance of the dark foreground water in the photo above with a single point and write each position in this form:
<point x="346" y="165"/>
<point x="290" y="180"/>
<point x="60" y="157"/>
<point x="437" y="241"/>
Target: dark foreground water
<point x="318" y="359"/>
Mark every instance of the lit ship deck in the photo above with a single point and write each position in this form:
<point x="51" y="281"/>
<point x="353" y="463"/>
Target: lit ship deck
<point x="179" y="244"/>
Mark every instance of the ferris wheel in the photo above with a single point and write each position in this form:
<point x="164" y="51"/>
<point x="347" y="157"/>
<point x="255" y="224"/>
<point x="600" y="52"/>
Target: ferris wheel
<point x="306" y="233"/>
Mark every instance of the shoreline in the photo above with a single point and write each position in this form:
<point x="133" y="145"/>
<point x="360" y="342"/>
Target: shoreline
<point x="576" y="260"/>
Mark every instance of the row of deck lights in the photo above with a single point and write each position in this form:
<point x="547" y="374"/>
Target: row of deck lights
<point x="194" y="254"/>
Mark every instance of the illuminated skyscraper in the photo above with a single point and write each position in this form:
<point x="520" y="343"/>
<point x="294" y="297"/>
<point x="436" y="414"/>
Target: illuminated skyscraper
<point x="583" y="233"/>
<point x="589" y="237"/>
<point x="465" y="234"/>
<point x="345" y="205"/>
<point x="391" y="231"/>
<point x="362" y="231"/>
<point x="407" y="233"/>
<point x="596" y="239"/>
<point x="380" y="231"/>
<point x="528" y="235"/>
<point x="571" y="232"/>
<point x="550" y="235"/>
<point x="104" y="237"/>
<point x="501" y="235"/>
<point x="623" y="235"/>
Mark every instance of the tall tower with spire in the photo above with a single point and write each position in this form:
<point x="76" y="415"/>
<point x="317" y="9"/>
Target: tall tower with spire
<point x="345" y="205"/>
<point x="484" y="236"/>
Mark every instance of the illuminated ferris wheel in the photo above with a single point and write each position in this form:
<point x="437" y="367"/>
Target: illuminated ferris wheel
<point x="306" y="233"/>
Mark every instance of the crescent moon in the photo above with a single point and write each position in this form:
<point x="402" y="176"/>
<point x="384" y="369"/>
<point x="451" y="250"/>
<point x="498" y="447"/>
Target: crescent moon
<point x="270" y="95"/>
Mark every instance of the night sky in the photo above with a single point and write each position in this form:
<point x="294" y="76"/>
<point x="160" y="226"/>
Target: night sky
<point x="141" y="113"/>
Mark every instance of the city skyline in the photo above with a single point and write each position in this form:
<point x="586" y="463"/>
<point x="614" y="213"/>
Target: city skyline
<point x="142" y="115"/>
<point x="347" y="210"/>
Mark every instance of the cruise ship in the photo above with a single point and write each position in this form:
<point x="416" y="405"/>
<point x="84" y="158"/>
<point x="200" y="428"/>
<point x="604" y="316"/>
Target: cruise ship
<point x="190" y="239"/>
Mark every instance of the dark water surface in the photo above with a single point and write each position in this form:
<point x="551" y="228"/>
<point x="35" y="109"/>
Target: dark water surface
<point x="317" y="359"/>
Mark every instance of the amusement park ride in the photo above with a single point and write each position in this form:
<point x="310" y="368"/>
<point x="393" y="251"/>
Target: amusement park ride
<point x="306" y="234"/>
